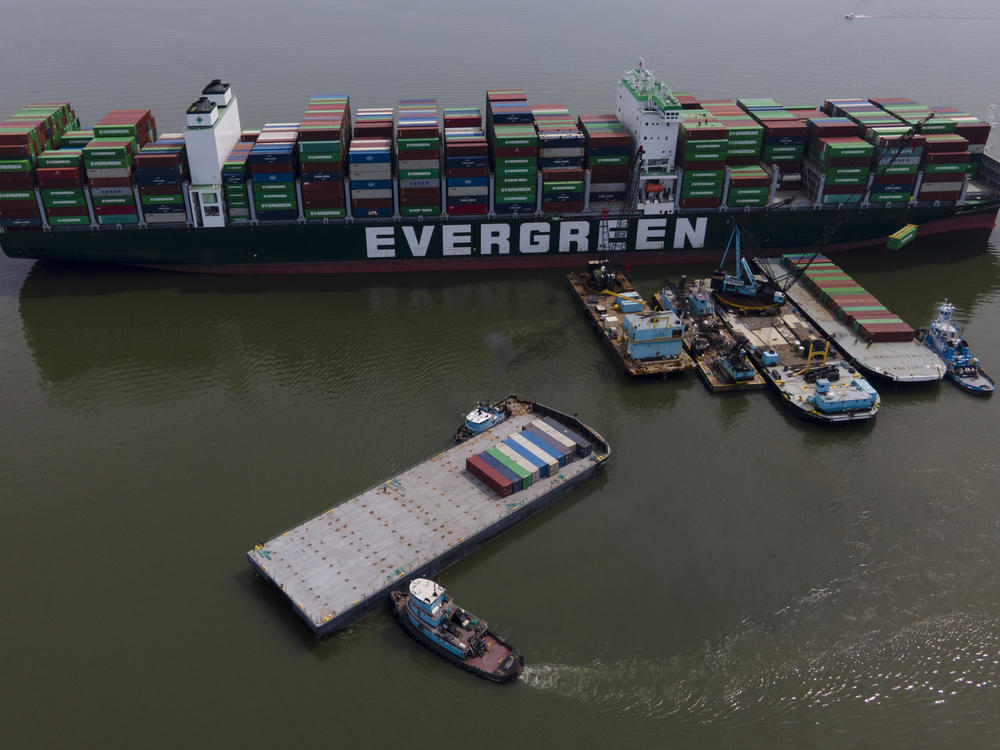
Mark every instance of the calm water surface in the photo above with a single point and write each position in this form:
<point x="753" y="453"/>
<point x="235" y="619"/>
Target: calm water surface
<point x="735" y="578"/>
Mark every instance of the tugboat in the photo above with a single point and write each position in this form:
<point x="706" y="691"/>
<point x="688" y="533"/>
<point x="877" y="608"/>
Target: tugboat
<point x="434" y="620"/>
<point x="945" y="339"/>
<point x="482" y="418"/>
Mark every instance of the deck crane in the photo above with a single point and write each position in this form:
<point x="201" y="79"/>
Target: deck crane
<point x="604" y="273"/>
<point x="907" y="233"/>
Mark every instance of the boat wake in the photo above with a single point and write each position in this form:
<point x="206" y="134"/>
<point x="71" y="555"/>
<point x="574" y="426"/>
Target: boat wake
<point x="756" y="674"/>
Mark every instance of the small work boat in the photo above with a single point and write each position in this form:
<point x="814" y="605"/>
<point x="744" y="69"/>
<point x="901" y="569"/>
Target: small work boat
<point x="482" y="418"/>
<point x="433" y="619"/>
<point x="945" y="339"/>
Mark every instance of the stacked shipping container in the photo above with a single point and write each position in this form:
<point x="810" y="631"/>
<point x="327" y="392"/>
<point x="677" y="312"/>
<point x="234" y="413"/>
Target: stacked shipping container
<point x="843" y="296"/>
<point x="537" y="451"/>
<point x="273" y="163"/>
<point x="61" y="184"/>
<point x="560" y="158"/>
<point x="24" y="136"/>
<point x="608" y="151"/>
<point x="324" y="136"/>
<point x="235" y="173"/>
<point x="839" y="165"/>
<point x="513" y="151"/>
<point x="418" y="157"/>
<point x="466" y="154"/>
<point x="702" y="148"/>
<point x="160" y="171"/>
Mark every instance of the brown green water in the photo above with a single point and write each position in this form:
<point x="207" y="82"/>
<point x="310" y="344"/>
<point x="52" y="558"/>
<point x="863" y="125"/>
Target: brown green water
<point x="734" y="578"/>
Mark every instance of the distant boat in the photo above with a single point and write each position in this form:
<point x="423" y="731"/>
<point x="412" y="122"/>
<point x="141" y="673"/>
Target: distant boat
<point x="435" y="621"/>
<point x="851" y="16"/>
<point x="944" y="338"/>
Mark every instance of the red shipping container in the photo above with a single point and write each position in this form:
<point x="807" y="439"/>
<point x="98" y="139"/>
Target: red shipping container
<point x="110" y="182"/>
<point x="115" y="210"/>
<point x="947" y="157"/>
<point x="19" y="209"/>
<point x="371" y="202"/>
<point x="489" y="476"/>
<point x="420" y="194"/>
<point x="422" y="154"/>
<point x="66" y="211"/>
<point x="516" y="151"/>
<point x="700" y="202"/>
<point x="468" y="149"/>
<point x="17" y="180"/>
<point x="610" y="173"/>
<point x="160" y="190"/>
<point x="563" y="208"/>
<point x="462" y="210"/>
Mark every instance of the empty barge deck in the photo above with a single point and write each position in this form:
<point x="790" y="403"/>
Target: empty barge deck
<point x="341" y="565"/>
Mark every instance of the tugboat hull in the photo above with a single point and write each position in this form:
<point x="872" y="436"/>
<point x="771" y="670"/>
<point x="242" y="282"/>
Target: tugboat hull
<point x="501" y="663"/>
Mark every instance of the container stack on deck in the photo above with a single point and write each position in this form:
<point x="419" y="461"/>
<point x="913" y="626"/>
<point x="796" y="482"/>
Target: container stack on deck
<point x="748" y="186"/>
<point x="608" y="151"/>
<point x="560" y="158"/>
<point x="109" y="160"/>
<point x="235" y="173"/>
<point x="702" y="148"/>
<point x="466" y="154"/>
<point x="745" y="135"/>
<point x="160" y="172"/>
<point x="536" y="452"/>
<point x="273" y="163"/>
<point x="848" y="300"/>
<point x="784" y="138"/>
<point x="323" y="137"/>
<point x="24" y="136"/>
<point x="513" y="151"/>
<point x="839" y="165"/>
<point x="61" y="183"/>
<point x="418" y="155"/>
<point x="370" y="159"/>
<point x="974" y="130"/>
<point x="945" y="164"/>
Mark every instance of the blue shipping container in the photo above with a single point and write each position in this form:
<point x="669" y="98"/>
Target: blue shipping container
<point x="543" y="468"/>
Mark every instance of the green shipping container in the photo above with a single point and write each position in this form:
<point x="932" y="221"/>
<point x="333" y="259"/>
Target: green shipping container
<point x="326" y="213"/>
<point x="159" y="200"/>
<point x="419" y="174"/>
<point x="419" y="210"/>
<point x="70" y="221"/>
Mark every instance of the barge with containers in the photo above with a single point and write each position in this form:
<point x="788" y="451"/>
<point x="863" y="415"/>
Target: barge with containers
<point x="873" y="338"/>
<point x="343" y="563"/>
<point x="412" y="187"/>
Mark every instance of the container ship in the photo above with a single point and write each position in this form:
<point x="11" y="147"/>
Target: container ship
<point x="516" y="184"/>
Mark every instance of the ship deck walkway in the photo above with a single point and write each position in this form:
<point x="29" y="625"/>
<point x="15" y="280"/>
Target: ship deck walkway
<point x="905" y="362"/>
<point x="341" y="564"/>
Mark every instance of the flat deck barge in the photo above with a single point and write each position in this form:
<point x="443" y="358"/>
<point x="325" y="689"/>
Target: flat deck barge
<point x="341" y="564"/>
<point x="900" y="361"/>
<point x="597" y="303"/>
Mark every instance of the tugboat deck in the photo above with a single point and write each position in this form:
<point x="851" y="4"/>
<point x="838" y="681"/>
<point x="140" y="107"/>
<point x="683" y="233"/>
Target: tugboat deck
<point x="908" y="362"/>
<point x="341" y="564"/>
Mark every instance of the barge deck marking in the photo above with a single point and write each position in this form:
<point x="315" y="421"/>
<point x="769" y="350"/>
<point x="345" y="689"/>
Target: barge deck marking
<point x="333" y="565"/>
<point x="906" y="362"/>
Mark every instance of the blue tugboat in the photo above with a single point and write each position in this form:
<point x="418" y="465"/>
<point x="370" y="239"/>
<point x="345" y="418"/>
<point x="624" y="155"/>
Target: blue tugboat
<point x="482" y="418"/>
<point x="945" y="339"/>
<point x="435" y="621"/>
